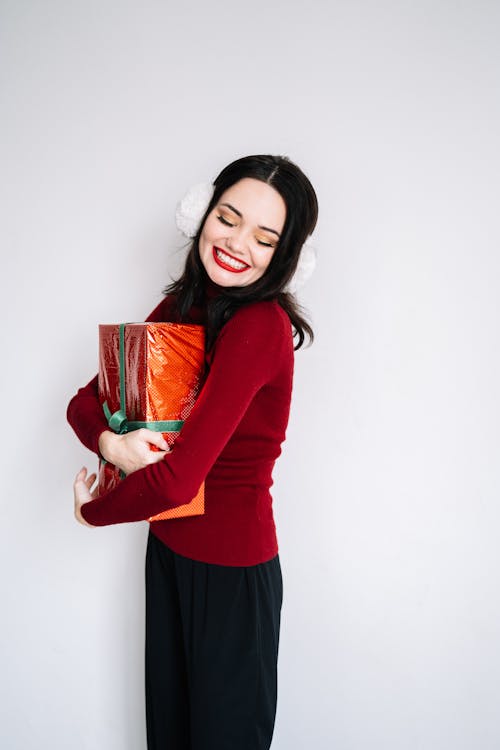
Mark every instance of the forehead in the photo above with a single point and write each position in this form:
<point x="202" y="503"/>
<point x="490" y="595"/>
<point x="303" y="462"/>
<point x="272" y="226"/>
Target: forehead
<point x="257" y="201"/>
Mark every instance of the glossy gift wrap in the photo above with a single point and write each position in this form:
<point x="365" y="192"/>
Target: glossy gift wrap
<point x="149" y="376"/>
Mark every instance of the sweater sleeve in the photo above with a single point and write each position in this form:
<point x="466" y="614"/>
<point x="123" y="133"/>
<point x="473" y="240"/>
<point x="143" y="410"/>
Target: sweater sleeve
<point x="247" y="354"/>
<point x="84" y="412"/>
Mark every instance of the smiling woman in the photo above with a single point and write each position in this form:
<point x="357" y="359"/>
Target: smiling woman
<point x="214" y="587"/>
<point x="237" y="242"/>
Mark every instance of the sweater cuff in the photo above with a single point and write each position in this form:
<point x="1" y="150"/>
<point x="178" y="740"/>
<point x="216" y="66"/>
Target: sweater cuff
<point x="95" y="446"/>
<point x="87" y="511"/>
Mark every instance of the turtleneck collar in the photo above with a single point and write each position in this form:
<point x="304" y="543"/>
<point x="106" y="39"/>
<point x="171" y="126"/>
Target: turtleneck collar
<point x="212" y="289"/>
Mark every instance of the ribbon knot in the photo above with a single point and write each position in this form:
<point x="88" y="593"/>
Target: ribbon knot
<point x="118" y="421"/>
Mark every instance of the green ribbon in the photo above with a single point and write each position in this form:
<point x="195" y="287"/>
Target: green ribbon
<point x="118" y="421"/>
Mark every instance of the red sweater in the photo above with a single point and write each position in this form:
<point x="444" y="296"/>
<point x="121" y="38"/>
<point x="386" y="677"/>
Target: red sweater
<point x="231" y="440"/>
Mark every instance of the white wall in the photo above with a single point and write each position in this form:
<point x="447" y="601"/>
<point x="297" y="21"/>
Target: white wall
<point x="386" y="495"/>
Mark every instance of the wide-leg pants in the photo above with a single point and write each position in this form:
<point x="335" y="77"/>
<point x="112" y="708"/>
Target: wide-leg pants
<point x="212" y="635"/>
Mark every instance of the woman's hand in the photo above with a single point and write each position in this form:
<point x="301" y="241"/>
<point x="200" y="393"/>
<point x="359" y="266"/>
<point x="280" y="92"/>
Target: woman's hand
<point x="132" y="451"/>
<point x="82" y="492"/>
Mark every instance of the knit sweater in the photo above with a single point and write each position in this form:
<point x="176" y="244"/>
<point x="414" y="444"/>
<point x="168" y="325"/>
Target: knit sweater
<point x="230" y="440"/>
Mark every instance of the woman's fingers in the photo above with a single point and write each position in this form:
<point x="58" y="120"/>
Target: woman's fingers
<point x="81" y="474"/>
<point x="81" y="481"/>
<point x="81" y="477"/>
<point x="90" y="480"/>
<point x="81" y="493"/>
<point x="154" y="438"/>
<point x="135" y="450"/>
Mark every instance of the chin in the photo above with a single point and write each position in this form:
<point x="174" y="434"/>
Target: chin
<point x="229" y="282"/>
<point x="226" y="278"/>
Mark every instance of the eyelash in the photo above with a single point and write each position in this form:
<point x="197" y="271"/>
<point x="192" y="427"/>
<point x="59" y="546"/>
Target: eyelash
<point x="228" y="224"/>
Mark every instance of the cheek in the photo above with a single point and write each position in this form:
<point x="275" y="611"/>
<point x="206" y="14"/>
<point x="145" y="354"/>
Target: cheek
<point x="267" y="260"/>
<point x="211" y="227"/>
<point x="204" y="233"/>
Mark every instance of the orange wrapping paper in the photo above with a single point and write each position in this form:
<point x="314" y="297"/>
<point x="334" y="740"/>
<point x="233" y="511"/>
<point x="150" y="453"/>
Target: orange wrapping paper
<point x="164" y="366"/>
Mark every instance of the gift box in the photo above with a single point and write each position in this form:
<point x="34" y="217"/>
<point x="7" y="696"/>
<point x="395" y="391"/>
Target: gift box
<point x="149" y="376"/>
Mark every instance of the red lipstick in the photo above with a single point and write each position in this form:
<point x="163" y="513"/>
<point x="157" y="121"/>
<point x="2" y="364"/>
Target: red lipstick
<point x="225" y="265"/>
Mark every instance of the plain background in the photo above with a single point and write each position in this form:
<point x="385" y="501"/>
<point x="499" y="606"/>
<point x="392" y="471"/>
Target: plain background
<point x="386" y="494"/>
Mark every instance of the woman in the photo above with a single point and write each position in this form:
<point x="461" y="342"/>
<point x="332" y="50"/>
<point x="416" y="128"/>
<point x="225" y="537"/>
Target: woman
<point x="213" y="582"/>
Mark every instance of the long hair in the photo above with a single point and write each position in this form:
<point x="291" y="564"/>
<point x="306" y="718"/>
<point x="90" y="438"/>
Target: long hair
<point x="301" y="217"/>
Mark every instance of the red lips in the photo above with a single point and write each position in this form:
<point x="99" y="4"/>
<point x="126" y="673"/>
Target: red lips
<point x="226" y="266"/>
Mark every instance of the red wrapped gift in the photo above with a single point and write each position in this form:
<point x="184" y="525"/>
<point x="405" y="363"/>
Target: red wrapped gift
<point x="149" y="376"/>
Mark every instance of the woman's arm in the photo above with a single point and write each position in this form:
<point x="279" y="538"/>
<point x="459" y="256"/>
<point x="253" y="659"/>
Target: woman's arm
<point x="86" y="417"/>
<point x="248" y="353"/>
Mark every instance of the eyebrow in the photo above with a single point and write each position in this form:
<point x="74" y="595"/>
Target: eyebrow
<point x="267" y="229"/>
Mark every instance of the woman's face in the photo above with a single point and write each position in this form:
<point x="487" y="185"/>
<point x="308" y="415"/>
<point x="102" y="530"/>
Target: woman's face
<point x="241" y="233"/>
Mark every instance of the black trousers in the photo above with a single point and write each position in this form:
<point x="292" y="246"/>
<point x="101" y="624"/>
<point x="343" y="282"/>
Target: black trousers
<point x="212" y="635"/>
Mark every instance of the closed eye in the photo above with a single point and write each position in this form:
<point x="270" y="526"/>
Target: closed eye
<point x="228" y="224"/>
<point x="224" y="221"/>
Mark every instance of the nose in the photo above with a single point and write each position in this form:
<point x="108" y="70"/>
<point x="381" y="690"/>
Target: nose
<point x="236" y="241"/>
